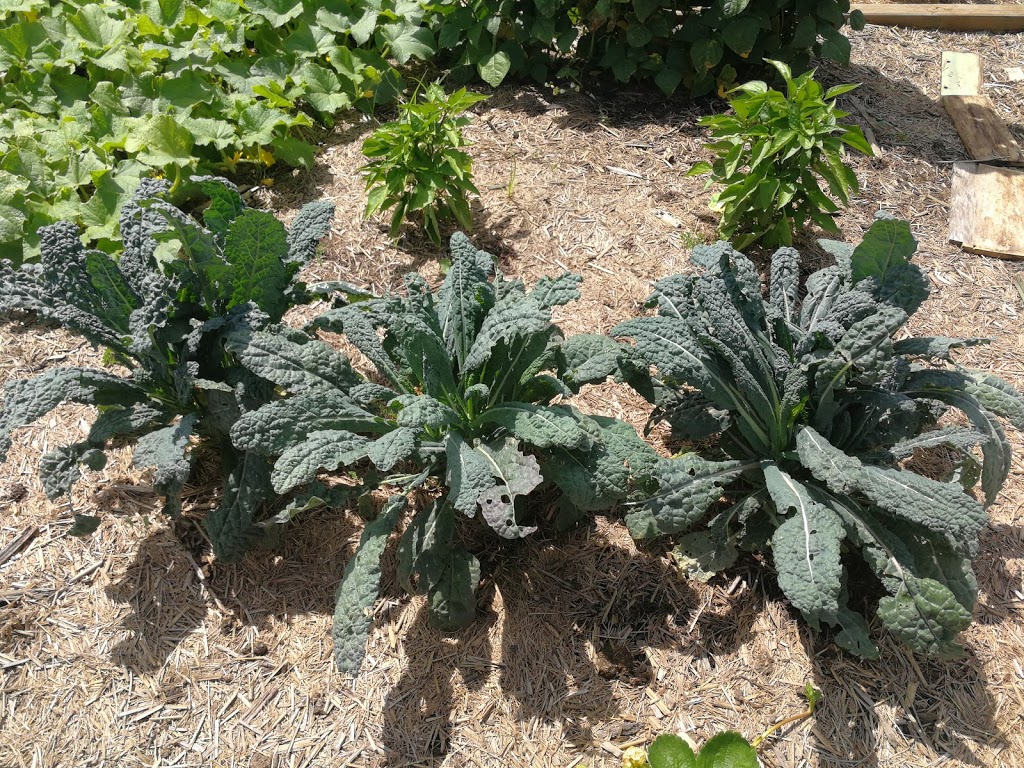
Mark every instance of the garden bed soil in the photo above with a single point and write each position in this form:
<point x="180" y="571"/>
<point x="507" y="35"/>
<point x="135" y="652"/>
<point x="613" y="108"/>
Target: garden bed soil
<point x="132" y="648"/>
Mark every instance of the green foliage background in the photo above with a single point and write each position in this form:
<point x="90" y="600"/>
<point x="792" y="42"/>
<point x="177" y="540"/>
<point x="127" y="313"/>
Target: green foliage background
<point x="95" y="95"/>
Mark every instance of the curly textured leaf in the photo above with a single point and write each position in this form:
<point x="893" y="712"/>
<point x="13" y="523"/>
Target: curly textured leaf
<point x="114" y="300"/>
<point x="310" y="226"/>
<point x="926" y="617"/>
<point x="326" y="449"/>
<point x="424" y="547"/>
<point x="452" y="601"/>
<point x="688" y="486"/>
<point x="996" y="395"/>
<point x="934" y="346"/>
<point x="587" y="358"/>
<point x="513" y="317"/>
<point x="690" y="415"/>
<point x="355" y="322"/>
<point x="424" y="412"/>
<point x="957" y="388"/>
<point x="425" y="353"/>
<point x="316" y="496"/>
<point x="26" y="400"/>
<point x="290" y="364"/>
<point x="823" y="288"/>
<point x="225" y="203"/>
<point x="284" y="424"/>
<point x="59" y="469"/>
<point x="468" y="474"/>
<point x="518" y="475"/>
<point x="940" y="507"/>
<point x="784" y="282"/>
<point x="670" y="346"/>
<point x="256" y="247"/>
<point x="538" y="425"/>
<point x="596" y="478"/>
<point x="231" y="527"/>
<point x="167" y="450"/>
<point x="887" y="244"/>
<point x="464" y="296"/>
<point x="951" y="437"/>
<point x="389" y="449"/>
<point x="358" y="589"/>
<point x="555" y="291"/>
<point x="806" y="548"/>
<point x="28" y="289"/>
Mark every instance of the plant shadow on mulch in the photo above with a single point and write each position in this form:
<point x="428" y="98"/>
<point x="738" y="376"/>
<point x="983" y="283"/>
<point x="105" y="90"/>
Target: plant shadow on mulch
<point x="940" y="705"/>
<point x="560" y="625"/>
<point x="571" y="619"/>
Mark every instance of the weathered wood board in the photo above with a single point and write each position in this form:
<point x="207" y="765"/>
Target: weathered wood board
<point x="1003" y="17"/>
<point x="961" y="74"/>
<point x="986" y="212"/>
<point x="974" y="116"/>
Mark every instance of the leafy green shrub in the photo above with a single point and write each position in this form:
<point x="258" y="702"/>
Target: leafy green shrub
<point x="768" y="152"/>
<point x="417" y="165"/>
<point x="817" y="404"/>
<point x="94" y="96"/>
<point x="695" y="46"/>
<point x="470" y="372"/>
<point x="163" y="310"/>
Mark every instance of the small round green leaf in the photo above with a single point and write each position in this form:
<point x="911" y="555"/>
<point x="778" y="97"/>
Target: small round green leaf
<point x="727" y="750"/>
<point x="670" y="751"/>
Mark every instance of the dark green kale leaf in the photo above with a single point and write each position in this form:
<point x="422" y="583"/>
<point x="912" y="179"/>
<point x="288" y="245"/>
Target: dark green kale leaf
<point x="816" y="404"/>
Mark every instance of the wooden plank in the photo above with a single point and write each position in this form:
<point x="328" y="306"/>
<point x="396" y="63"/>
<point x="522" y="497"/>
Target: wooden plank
<point x="983" y="132"/>
<point x="1004" y="17"/>
<point x="986" y="212"/>
<point x="961" y="74"/>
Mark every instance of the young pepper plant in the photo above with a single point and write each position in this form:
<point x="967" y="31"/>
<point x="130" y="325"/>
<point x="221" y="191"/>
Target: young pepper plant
<point x="471" y="374"/>
<point x="770" y="153"/>
<point x="418" y="165"/>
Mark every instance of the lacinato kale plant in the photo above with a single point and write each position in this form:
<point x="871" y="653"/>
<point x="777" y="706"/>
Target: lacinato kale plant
<point x="817" y="403"/>
<point x="163" y="310"/>
<point x="462" y="403"/>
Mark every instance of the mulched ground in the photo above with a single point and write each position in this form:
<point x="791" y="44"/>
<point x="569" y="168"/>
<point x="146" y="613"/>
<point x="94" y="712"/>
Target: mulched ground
<point x="133" y="648"/>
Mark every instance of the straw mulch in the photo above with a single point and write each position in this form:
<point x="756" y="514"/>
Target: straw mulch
<point x="133" y="648"/>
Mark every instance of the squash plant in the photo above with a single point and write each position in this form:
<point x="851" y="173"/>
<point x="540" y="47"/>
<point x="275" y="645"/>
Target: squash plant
<point x="816" y="404"/>
<point x="464" y="403"/>
<point x="163" y="310"/>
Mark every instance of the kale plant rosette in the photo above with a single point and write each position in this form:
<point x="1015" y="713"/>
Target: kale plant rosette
<point x="164" y="309"/>
<point x="464" y="403"/>
<point x="817" y="403"/>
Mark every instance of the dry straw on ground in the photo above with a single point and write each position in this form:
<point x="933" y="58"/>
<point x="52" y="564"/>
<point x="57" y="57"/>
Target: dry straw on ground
<point x="131" y="649"/>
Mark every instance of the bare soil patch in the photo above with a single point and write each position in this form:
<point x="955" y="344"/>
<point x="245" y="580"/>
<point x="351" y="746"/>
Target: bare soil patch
<point x="131" y="648"/>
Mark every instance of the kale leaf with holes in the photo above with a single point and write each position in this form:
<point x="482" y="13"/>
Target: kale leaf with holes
<point x="464" y="400"/>
<point x="817" y="402"/>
